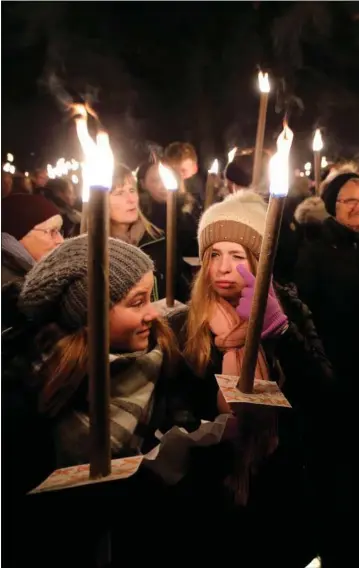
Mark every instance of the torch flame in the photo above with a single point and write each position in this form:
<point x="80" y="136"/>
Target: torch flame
<point x="279" y="164"/>
<point x="214" y="169"/>
<point x="317" y="141"/>
<point x="99" y="163"/>
<point x="168" y="178"/>
<point x="231" y="155"/>
<point x="263" y="81"/>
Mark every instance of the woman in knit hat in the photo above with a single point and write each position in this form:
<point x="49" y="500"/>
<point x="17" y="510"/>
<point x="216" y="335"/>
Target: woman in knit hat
<point x="51" y="327"/>
<point x="213" y="334"/>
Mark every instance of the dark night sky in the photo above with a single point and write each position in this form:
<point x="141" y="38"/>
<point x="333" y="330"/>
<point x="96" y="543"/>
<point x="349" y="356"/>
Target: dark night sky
<point x="161" y="71"/>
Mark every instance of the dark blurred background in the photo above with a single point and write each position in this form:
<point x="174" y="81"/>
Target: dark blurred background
<point x="163" y="71"/>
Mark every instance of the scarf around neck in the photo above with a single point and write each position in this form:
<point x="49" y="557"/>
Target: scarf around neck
<point x="133" y="380"/>
<point x="230" y="334"/>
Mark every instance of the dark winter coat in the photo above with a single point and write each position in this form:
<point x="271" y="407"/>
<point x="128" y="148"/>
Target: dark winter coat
<point x="327" y="276"/>
<point x="188" y="213"/>
<point x="156" y="249"/>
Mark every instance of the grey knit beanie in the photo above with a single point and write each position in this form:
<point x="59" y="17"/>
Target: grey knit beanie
<point x="56" y="288"/>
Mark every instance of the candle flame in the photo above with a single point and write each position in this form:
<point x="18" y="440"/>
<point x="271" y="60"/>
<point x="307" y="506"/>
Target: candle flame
<point x="263" y="81"/>
<point x="231" y="155"/>
<point x="279" y="164"/>
<point x="317" y="141"/>
<point x="10" y="157"/>
<point x="214" y="169"/>
<point x="324" y="162"/>
<point x="168" y="178"/>
<point x="99" y="163"/>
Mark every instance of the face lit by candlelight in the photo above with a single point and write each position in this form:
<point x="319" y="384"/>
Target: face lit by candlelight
<point x="131" y="319"/>
<point x="123" y="201"/>
<point x="347" y="206"/>
<point x="153" y="183"/>
<point x="223" y="275"/>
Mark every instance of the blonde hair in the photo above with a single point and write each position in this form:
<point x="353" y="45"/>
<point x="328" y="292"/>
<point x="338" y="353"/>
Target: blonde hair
<point x="123" y="173"/>
<point x="66" y="367"/>
<point x="197" y="350"/>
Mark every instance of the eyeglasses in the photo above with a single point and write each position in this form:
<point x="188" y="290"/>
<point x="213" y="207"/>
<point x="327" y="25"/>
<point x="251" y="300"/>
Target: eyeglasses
<point x="351" y="201"/>
<point x="52" y="232"/>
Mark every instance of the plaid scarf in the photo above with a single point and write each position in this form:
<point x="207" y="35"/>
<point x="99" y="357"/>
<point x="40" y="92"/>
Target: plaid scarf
<point x="133" y="380"/>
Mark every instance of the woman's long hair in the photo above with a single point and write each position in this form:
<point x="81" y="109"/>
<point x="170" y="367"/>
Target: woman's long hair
<point x="66" y="366"/>
<point x="123" y="172"/>
<point x="197" y="349"/>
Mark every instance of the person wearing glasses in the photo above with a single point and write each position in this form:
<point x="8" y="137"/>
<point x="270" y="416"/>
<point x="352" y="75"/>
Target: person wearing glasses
<point x="327" y="276"/>
<point x="30" y="228"/>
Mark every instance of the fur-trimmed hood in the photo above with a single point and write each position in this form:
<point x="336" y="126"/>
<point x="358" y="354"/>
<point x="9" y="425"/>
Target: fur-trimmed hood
<point x="311" y="211"/>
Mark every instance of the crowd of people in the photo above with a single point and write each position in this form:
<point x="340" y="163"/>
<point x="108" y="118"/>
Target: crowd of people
<point x="280" y="483"/>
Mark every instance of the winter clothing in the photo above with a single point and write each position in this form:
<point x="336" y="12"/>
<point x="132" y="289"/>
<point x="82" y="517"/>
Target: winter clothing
<point x="240" y="218"/>
<point x="331" y="191"/>
<point x="327" y="276"/>
<point x="20" y="213"/>
<point x="57" y="287"/>
<point x="274" y="318"/>
<point x="188" y="213"/>
<point x="133" y="381"/>
<point x="15" y="260"/>
<point x="236" y="174"/>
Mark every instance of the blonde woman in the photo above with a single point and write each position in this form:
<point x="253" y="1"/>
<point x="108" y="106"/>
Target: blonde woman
<point x="127" y="222"/>
<point x="212" y="336"/>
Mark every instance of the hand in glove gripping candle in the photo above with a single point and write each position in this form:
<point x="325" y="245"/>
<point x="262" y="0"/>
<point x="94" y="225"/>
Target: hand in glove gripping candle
<point x="275" y="321"/>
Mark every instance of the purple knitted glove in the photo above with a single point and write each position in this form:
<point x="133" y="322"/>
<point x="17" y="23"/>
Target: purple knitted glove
<point x="274" y="318"/>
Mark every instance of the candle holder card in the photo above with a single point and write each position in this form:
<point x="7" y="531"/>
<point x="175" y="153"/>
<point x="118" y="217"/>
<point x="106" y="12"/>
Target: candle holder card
<point x="265" y="393"/>
<point x="79" y="475"/>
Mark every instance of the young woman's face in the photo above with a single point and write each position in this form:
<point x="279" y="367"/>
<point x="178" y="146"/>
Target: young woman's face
<point x="152" y="182"/>
<point x="131" y="319"/>
<point x="223" y="275"/>
<point x="124" y="202"/>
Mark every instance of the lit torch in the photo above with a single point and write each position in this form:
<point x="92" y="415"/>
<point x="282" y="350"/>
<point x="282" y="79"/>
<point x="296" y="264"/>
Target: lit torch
<point x="279" y="185"/>
<point x="97" y="174"/>
<point x="212" y="181"/>
<point x="264" y="88"/>
<point x="171" y="184"/>
<point x="317" y="148"/>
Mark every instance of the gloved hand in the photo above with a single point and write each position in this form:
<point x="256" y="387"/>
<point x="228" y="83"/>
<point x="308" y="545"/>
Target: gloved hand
<point x="275" y="319"/>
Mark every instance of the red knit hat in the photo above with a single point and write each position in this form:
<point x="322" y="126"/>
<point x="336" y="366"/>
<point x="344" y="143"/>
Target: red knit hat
<point x="20" y="213"/>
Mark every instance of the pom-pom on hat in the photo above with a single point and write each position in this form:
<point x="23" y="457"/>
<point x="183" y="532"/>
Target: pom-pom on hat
<point x="240" y="218"/>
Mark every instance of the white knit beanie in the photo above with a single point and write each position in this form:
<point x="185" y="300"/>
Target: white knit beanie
<point x="239" y="218"/>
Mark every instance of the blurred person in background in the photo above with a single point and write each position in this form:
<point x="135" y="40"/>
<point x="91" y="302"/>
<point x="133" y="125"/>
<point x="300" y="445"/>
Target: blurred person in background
<point x="128" y="223"/>
<point x="182" y="157"/>
<point x="6" y="184"/>
<point x="30" y="226"/>
<point x="61" y="192"/>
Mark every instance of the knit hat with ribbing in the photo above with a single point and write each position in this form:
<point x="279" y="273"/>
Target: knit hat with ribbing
<point x="240" y="218"/>
<point x="56" y="289"/>
<point x="331" y="191"/>
<point x="20" y="213"/>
